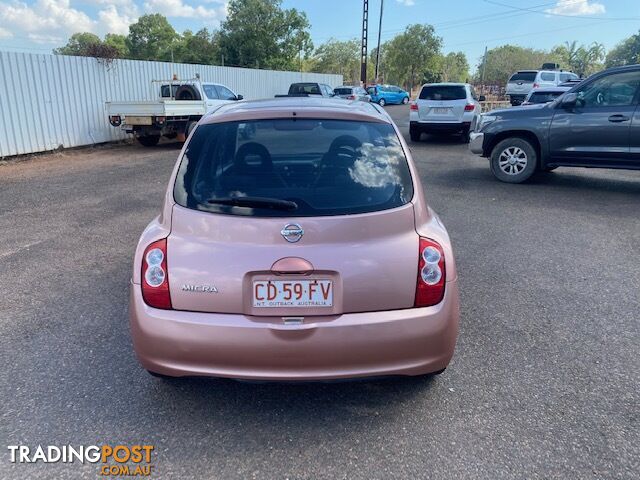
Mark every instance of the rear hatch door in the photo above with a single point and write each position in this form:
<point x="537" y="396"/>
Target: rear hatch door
<point x="521" y="83"/>
<point x="442" y="103"/>
<point x="336" y="234"/>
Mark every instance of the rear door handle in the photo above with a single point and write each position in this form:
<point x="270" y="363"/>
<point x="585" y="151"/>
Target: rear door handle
<point x="618" y="118"/>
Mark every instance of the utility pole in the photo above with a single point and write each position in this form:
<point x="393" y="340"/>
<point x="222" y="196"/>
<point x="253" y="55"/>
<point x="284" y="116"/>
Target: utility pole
<point x="363" y="51"/>
<point x="484" y="66"/>
<point x="379" y="34"/>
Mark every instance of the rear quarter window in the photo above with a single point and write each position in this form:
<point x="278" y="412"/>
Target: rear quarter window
<point x="327" y="167"/>
<point x="444" y="92"/>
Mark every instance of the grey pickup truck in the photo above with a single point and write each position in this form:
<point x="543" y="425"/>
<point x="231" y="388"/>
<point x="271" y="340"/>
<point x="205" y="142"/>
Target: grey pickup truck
<point x="594" y="124"/>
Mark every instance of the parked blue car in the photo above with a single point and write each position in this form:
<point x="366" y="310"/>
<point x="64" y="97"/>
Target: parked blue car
<point x="384" y="94"/>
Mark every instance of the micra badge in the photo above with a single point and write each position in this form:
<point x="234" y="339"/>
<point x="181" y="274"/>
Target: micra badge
<point x="199" y="288"/>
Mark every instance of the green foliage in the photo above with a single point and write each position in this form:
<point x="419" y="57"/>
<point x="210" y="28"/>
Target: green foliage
<point x="259" y="33"/>
<point x="580" y="59"/>
<point x="503" y="61"/>
<point x="118" y="43"/>
<point x="341" y="57"/>
<point x="200" y="47"/>
<point x="412" y="56"/>
<point x="79" y="44"/>
<point x="626" y="52"/>
<point x="454" y="67"/>
<point x="151" y="38"/>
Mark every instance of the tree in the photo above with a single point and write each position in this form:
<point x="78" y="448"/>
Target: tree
<point x="201" y="47"/>
<point x="580" y="59"/>
<point x="626" y="52"/>
<point x="151" y="38"/>
<point x="411" y="56"/>
<point x="79" y="44"/>
<point x="341" y="57"/>
<point x="503" y="61"/>
<point x="454" y="67"/>
<point x="118" y="43"/>
<point x="259" y="33"/>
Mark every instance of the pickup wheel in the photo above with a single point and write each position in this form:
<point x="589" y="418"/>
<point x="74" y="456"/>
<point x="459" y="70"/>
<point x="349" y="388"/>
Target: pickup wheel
<point x="149" y="140"/>
<point x="513" y="160"/>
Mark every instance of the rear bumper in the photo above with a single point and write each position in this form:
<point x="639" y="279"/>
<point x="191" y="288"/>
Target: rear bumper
<point x="402" y="342"/>
<point x="427" y="127"/>
<point x="476" y="143"/>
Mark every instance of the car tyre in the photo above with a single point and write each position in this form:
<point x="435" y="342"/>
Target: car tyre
<point x="382" y="102"/>
<point x="466" y="135"/>
<point x="166" y="378"/>
<point x="405" y="100"/>
<point x="415" y="134"/>
<point x="149" y="140"/>
<point x="513" y="160"/>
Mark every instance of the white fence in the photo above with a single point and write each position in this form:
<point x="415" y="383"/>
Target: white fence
<point x="52" y="101"/>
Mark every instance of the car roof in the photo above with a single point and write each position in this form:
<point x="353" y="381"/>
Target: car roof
<point x="298" y="107"/>
<point x="442" y="84"/>
<point x="550" y="89"/>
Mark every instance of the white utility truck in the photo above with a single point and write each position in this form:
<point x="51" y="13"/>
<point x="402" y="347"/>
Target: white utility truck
<point x="179" y="107"/>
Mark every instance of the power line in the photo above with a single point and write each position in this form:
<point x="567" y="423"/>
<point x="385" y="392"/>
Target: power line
<point x="553" y="14"/>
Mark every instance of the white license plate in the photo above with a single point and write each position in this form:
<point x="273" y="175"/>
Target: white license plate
<point x="292" y="293"/>
<point x="441" y="110"/>
<point x="138" y="120"/>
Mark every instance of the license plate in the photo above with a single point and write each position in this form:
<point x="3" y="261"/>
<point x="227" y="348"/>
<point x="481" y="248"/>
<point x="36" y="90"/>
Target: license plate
<point x="441" y="110"/>
<point x="292" y="293"/>
<point x="138" y="120"/>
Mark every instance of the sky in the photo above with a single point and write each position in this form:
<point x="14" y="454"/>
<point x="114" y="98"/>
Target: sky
<point x="464" y="25"/>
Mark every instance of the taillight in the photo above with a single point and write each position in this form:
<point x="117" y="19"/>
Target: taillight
<point x="536" y="85"/>
<point x="413" y="106"/>
<point x="160" y="120"/>
<point x="155" y="276"/>
<point x="351" y="97"/>
<point x="469" y="107"/>
<point x="431" y="274"/>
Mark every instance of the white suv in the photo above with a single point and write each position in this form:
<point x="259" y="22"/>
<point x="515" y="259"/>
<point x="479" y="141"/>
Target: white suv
<point x="444" y="107"/>
<point x="523" y="81"/>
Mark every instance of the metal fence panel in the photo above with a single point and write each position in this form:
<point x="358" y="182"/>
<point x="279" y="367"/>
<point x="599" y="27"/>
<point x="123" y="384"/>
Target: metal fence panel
<point x="53" y="101"/>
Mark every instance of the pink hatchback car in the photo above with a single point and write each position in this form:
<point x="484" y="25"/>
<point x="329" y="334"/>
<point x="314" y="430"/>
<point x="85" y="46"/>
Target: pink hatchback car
<point x="295" y="244"/>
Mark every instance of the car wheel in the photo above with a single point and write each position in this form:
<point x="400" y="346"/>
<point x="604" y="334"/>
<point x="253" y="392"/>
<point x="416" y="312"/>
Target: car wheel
<point x="405" y="100"/>
<point x="415" y="134"/>
<point x="513" y="160"/>
<point x="149" y="140"/>
<point x="382" y="102"/>
<point x="465" y="135"/>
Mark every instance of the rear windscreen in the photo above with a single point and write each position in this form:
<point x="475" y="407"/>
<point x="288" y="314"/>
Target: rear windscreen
<point x="443" y="92"/>
<point x="308" y="88"/>
<point x="343" y="91"/>
<point x="544" y="97"/>
<point x="523" y="77"/>
<point x="314" y="167"/>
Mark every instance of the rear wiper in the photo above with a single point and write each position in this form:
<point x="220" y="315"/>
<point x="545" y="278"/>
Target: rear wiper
<point x="257" y="202"/>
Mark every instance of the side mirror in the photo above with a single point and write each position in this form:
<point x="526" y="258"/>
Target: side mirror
<point x="239" y="97"/>
<point x="569" y="100"/>
<point x="482" y="98"/>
